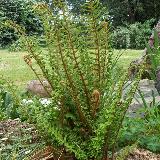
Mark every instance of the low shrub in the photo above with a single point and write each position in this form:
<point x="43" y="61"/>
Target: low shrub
<point x="16" y="46"/>
<point x="121" y="38"/>
<point x="132" y="36"/>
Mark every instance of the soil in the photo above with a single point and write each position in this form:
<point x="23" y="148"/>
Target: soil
<point x="16" y="128"/>
<point x="141" y="154"/>
<point x="17" y="138"/>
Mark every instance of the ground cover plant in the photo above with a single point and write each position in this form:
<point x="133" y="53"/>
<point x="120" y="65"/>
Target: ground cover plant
<point x="87" y="109"/>
<point x="143" y="129"/>
<point x="18" y="139"/>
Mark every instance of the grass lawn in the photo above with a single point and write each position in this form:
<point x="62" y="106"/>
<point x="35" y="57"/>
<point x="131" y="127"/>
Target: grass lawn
<point x="128" y="56"/>
<point x="13" y="67"/>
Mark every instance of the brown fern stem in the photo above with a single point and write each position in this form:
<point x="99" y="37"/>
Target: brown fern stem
<point x="97" y="43"/>
<point x="20" y="31"/>
<point x="71" y="84"/>
<point x="40" y="64"/>
<point x="86" y="92"/>
<point x="105" y="147"/>
<point x="80" y="73"/>
<point x="105" y="53"/>
<point x="44" y="73"/>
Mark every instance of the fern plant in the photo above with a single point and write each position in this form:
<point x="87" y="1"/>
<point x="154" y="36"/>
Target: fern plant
<point x="87" y="108"/>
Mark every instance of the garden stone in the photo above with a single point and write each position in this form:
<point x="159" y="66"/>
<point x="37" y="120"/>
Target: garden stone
<point x="36" y="88"/>
<point x="135" y="67"/>
<point x="147" y="88"/>
<point x="138" y="103"/>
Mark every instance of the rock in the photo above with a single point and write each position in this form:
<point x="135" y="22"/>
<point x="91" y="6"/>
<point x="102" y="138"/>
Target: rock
<point x="138" y="103"/>
<point x="135" y="67"/>
<point x="147" y="88"/>
<point x="36" y="88"/>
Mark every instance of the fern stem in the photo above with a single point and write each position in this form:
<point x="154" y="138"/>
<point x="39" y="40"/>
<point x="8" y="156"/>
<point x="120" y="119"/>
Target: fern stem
<point x="105" y="54"/>
<point x="86" y="92"/>
<point x="97" y="43"/>
<point x="71" y="84"/>
<point x="39" y="63"/>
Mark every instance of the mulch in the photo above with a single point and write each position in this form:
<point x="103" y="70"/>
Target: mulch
<point x="142" y="154"/>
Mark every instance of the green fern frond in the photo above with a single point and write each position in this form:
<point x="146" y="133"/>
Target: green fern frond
<point x="81" y="67"/>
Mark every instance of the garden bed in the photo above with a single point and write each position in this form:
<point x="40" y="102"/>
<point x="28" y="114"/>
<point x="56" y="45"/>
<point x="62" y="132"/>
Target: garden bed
<point x="17" y="139"/>
<point x="141" y="154"/>
<point x="21" y="139"/>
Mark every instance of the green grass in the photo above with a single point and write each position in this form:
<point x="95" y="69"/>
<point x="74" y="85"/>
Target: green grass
<point x="13" y="67"/>
<point x="128" y="56"/>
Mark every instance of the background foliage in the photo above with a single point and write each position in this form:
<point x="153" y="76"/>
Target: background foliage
<point x="20" y="12"/>
<point x="132" y="35"/>
<point x="123" y="15"/>
<point x="122" y="11"/>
